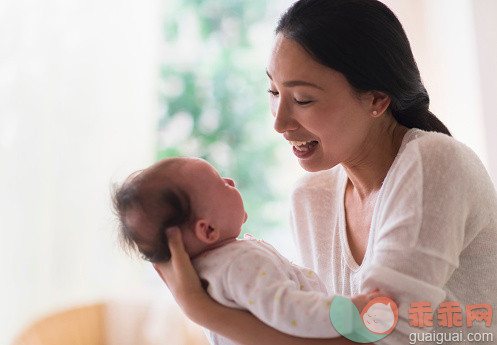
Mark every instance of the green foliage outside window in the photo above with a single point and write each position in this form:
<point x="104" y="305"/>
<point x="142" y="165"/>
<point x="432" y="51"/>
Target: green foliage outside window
<point x="214" y="100"/>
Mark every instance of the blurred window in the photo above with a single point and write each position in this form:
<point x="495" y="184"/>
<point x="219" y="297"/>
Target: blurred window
<point x="214" y="98"/>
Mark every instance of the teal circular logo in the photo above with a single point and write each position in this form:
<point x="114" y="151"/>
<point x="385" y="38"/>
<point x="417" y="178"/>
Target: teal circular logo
<point x="377" y="319"/>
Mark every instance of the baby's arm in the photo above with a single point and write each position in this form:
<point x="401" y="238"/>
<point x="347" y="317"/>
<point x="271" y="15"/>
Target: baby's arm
<point x="238" y="325"/>
<point x="259" y="283"/>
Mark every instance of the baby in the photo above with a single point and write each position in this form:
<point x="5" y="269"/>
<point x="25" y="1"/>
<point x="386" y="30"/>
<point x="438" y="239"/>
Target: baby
<point x="239" y="273"/>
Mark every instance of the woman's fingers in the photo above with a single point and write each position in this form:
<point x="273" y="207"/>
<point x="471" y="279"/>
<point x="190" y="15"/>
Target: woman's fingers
<point x="180" y="275"/>
<point x="373" y="295"/>
<point x="166" y="270"/>
<point x="177" y="250"/>
<point x="362" y="300"/>
<point x="377" y="293"/>
<point x="175" y="241"/>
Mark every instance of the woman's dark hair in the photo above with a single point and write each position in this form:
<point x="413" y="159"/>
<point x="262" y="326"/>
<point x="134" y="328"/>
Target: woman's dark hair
<point x="165" y="207"/>
<point x="364" y="40"/>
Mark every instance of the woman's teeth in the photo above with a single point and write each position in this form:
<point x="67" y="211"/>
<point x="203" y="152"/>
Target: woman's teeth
<point x="303" y="146"/>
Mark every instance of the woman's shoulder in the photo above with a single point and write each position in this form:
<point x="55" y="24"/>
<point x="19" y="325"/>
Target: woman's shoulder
<point x="442" y="165"/>
<point x="438" y="152"/>
<point x="436" y="143"/>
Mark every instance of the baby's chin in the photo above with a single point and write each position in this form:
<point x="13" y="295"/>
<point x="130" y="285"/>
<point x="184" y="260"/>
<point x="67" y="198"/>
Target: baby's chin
<point x="246" y="217"/>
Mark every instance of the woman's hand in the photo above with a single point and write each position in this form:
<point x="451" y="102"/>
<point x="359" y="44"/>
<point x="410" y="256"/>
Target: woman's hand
<point x="361" y="301"/>
<point x="180" y="276"/>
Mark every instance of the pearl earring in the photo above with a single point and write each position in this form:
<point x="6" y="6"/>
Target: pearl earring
<point x="375" y="112"/>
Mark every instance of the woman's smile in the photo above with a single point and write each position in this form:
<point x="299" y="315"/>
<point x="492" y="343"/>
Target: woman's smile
<point x="304" y="149"/>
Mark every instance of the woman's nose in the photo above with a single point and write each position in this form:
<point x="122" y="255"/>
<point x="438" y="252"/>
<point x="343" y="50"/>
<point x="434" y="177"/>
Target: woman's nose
<point x="283" y="120"/>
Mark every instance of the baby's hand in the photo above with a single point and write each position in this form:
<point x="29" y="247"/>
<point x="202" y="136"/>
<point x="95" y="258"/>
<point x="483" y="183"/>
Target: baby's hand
<point x="361" y="301"/>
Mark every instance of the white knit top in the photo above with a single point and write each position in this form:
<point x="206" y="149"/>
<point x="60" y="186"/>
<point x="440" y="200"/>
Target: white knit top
<point x="433" y="234"/>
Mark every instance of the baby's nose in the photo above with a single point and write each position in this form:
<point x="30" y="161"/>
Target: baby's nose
<point x="230" y="182"/>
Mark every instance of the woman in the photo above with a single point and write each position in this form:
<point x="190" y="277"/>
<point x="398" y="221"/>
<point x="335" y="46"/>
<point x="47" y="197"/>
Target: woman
<point x="393" y="200"/>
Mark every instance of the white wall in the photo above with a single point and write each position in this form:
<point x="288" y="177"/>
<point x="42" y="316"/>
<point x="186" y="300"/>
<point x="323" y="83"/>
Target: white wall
<point x="454" y="43"/>
<point x="485" y="20"/>
<point x="78" y="110"/>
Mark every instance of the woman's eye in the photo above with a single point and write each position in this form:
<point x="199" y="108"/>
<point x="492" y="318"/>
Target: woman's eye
<point x="276" y="93"/>
<point x="302" y="102"/>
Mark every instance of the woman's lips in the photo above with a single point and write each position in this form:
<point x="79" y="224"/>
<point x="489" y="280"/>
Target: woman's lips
<point x="304" y="149"/>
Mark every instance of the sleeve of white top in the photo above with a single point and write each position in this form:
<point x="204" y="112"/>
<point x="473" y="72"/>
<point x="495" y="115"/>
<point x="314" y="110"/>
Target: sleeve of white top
<point x="261" y="285"/>
<point x="421" y="227"/>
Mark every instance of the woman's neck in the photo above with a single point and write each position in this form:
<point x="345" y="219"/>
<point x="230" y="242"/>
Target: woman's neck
<point x="367" y="172"/>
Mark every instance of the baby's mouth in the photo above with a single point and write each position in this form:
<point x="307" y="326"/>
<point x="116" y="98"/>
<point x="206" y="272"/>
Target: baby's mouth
<point x="303" y="146"/>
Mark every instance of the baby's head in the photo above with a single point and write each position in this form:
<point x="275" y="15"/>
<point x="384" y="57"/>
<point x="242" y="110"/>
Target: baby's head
<point x="184" y="192"/>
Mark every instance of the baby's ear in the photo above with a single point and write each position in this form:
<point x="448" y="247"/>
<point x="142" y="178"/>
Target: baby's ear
<point x="205" y="232"/>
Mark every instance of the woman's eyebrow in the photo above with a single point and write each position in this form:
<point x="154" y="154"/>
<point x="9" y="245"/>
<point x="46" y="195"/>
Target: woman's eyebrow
<point x="293" y="83"/>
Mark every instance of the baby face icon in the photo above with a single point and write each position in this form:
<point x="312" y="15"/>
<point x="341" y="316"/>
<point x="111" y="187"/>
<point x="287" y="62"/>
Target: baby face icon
<point x="380" y="315"/>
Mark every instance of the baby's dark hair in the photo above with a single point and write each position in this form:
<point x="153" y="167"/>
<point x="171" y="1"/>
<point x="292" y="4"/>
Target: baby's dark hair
<point x="164" y="204"/>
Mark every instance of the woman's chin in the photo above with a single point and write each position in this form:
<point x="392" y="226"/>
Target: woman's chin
<point x="315" y="165"/>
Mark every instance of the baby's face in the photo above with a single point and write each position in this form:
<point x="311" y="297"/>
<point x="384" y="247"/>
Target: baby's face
<point x="213" y="197"/>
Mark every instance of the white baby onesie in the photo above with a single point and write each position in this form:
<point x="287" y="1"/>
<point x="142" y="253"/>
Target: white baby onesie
<point x="250" y="274"/>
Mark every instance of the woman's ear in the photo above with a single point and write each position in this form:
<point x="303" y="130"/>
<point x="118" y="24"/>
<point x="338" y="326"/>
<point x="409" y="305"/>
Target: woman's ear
<point x="204" y="232"/>
<point x="379" y="102"/>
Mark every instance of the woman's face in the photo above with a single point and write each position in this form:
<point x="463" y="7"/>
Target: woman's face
<point x="314" y="107"/>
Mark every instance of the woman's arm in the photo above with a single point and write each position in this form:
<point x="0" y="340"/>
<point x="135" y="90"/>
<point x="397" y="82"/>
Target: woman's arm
<point x="237" y="325"/>
<point x="244" y="328"/>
